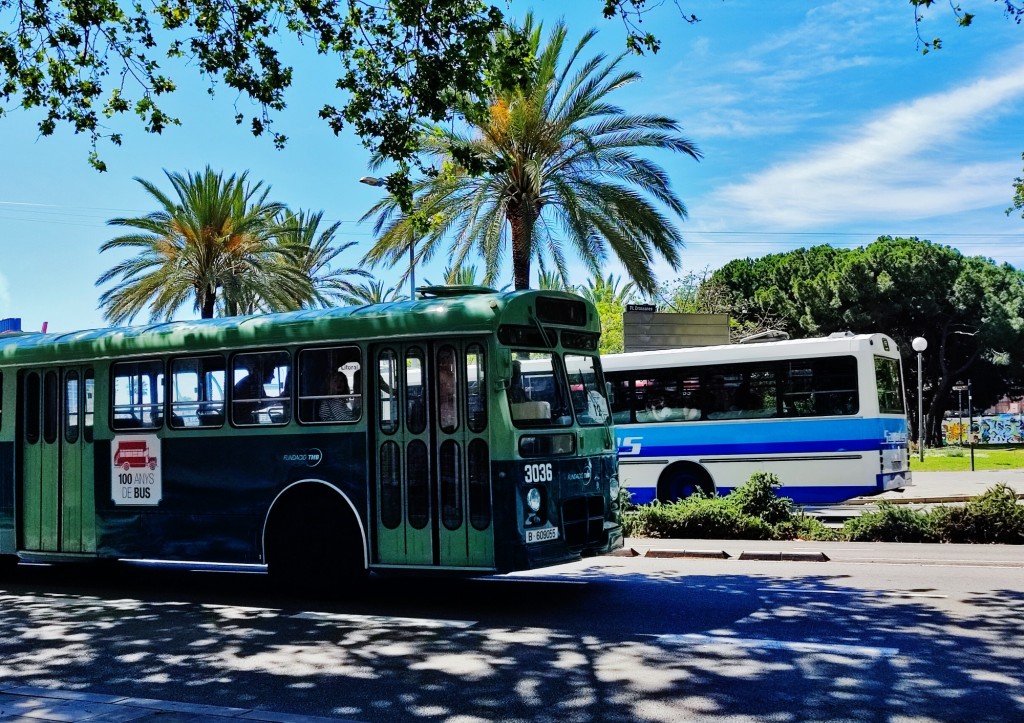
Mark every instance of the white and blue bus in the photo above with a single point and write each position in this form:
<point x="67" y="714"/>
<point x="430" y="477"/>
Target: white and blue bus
<point x="827" y="416"/>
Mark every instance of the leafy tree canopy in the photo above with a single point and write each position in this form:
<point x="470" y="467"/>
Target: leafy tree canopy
<point x="1018" y="196"/>
<point x="969" y="309"/>
<point x="696" y="293"/>
<point x="86" y="63"/>
<point x="1014" y="10"/>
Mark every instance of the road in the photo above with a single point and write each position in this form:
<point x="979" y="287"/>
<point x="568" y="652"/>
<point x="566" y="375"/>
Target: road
<point x="879" y="632"/>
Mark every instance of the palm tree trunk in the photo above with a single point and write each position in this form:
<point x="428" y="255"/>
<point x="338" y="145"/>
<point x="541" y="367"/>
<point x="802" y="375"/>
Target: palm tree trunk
<point x="208" y="302"/>
<point x="521" y="222"/>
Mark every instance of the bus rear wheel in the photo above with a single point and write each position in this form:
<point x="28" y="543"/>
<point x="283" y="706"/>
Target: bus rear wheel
<point x="682" y="483"/>
<point x="313" y="545"/>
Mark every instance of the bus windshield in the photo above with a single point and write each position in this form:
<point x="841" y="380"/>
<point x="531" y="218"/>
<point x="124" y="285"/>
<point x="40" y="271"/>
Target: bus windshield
<point x="537" y="392"/>
<point x="588" y="395"/>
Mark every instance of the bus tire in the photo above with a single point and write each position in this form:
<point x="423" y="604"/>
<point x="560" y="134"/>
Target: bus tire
<point x="312" y="542"/>
<point x="8" y="563"/>
<point x="678" y="483"/>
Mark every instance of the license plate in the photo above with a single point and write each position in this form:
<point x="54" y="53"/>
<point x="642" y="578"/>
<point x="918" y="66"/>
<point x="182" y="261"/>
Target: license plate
<point x="541" y="535"/>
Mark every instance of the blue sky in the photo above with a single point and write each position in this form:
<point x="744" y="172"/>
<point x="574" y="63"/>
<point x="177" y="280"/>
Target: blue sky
<point x="819" y="122"/>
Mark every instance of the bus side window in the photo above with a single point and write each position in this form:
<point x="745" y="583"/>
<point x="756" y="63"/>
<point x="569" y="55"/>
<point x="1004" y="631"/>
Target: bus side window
<point x="621" y="398"/>
<point x="261" y="393"/>
<point x="89" y="382"/>
<point x="386" y="391"/>
<point x="138" y="390"/>
<point x="476" y="389"/>
<point x="447" y="389"/>
<point x="415" y="391"/>
<point x="329" y="385"/>
<point x="197" y="392"/>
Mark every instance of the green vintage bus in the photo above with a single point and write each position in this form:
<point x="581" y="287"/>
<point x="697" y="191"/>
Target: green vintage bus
<point x="477" y="441"/>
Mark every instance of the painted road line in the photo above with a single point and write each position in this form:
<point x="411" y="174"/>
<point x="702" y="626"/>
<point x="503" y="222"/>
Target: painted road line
<point x="768" y="644"/>
<point x="858" y="593"/>
<point x="383" y="620"/>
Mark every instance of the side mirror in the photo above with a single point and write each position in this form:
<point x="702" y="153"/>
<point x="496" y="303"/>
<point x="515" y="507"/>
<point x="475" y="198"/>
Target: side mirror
<point x="503" y="370"/>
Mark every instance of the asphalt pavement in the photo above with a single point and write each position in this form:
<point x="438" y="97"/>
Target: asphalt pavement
<point x="20" y="703"/>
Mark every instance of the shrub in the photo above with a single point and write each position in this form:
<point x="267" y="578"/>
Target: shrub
<point x="891" y="523"/>
<point x="995" y="516"/>
<point x="804" y="527"/>
<point x="696" y="516"/>
<point x="757" y="497"/>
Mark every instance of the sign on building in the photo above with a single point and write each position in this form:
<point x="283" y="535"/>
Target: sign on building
<point x="645" y="329"/>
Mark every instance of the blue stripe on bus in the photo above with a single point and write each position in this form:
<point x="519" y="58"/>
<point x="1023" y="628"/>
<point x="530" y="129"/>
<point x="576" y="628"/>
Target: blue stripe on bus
<point x="774" y="437"/>
<point x="817" y="494"/>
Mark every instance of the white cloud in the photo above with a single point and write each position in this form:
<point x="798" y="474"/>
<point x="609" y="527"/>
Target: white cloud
<point x="910" y="162"/>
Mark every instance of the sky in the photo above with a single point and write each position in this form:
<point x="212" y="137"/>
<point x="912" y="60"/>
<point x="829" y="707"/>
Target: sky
<point x="819" y="123"/>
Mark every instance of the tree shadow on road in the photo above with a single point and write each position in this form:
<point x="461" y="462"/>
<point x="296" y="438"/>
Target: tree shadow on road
<point x="589" y="647"/>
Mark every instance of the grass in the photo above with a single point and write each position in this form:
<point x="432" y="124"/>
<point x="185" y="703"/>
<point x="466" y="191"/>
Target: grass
<point x="958" y="459"/>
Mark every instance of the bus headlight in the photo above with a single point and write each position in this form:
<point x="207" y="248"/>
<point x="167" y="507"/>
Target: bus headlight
<point x="613" y="487"/>
<point x="533" y="499"/>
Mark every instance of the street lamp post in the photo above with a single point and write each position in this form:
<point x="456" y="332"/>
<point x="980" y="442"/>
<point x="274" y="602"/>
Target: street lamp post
<point x="970" y="422"/>
<point x="920" y="344"/>
<point x="382" y="183"/>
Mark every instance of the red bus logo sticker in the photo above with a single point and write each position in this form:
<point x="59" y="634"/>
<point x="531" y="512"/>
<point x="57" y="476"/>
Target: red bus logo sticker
<point x="135" y="477"/>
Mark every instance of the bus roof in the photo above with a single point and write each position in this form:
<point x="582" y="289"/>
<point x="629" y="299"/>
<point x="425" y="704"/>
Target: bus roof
<point x="469" y="313"/>
<point x="762" y="351"/>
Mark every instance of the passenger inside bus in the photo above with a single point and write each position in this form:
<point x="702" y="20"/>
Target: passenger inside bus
<point x="516" y="393"/>
<point x="249" y="390"/>
<point x="658" y="411"/>
<point x="446" y="395"/>
<point x="335" y="408"/>
<point x="262" y="388"/>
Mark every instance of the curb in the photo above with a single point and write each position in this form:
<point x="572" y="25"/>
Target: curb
<point x="784" y="556"/>
<point x="914" y="500"/>
<point x="703" y="554"/>
<point x="664" y="553"/>
<point x="917" y="500"/>
<point x="624" y="552"/>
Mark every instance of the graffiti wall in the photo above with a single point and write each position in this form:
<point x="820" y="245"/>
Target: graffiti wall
<point x="998" y="429"/>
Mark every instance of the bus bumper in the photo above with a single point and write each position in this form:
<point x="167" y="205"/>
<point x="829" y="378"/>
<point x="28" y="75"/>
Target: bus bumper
<point x="557" y="552"/>
<point x="895" y="481"/>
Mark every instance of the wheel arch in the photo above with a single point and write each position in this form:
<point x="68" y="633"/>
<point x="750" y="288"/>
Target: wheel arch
<point x="291" y="490"/>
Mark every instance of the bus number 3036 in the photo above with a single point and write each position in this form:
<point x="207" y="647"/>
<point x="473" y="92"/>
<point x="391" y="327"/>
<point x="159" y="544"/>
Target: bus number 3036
<point x="535" y="473"/>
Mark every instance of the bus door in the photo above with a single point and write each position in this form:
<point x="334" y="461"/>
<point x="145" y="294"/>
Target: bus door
<point x="404" y="513"/>
<point x="463" y="466"/>
<point x="56" y="437"/>
<point x="430" y="464"/>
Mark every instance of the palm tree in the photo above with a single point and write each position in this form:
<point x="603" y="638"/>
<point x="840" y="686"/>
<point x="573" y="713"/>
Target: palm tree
<point x="552" y="280"/>
<point x="601" y="290"/>
<point x="560" y="156"/>
<point x="370" y="292"/>
<point x="212" y="244"/>
<point x="313" y="252"/>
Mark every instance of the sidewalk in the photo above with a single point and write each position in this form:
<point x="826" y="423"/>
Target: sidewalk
<point x="949" y="486"/>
